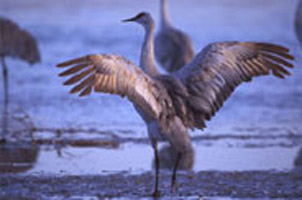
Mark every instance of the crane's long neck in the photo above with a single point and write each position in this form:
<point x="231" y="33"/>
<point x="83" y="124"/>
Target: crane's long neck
<point x="147" y="53"/>
<point x="165" y="19"/>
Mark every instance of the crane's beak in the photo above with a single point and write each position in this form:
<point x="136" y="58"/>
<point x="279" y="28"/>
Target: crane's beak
<point x="130" y="19"/>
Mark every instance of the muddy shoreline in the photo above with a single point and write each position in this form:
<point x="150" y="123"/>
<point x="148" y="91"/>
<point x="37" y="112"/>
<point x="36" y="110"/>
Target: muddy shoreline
<point x="249" y="184"/>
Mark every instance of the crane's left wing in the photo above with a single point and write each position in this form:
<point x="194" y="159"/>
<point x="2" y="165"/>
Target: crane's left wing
<point x="115" y="75"/>
<point x="219" y="68"/>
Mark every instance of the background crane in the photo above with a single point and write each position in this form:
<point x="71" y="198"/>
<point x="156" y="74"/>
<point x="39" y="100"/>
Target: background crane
<point x="15" y="43"/>
<point x="173" y="48"/>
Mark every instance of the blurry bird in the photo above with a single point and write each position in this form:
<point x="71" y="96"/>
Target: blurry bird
<point x="298" y="22"/>
<point x="173" y="48"/>
<point x="170" y="104"/>
<point x="16" y="43"/>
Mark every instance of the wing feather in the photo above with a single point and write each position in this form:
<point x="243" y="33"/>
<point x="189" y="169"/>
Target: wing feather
<point x="74" y="69"/>
<point x="217" y="70"/>
<point x="270" y="57"/>
<point x="81" y="86"/>
<point x="112" y="74"/>
<point x="78" y="77"/>
<point x="87" y="91"/>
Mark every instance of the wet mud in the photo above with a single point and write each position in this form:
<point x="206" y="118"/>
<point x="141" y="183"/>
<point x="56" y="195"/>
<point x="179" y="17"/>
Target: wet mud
<point x="252" y="184"/>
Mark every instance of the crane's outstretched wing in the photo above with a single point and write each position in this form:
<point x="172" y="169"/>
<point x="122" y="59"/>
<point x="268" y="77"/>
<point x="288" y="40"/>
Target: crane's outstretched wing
<point x="116" y="75"/>
<point x="173" y="49"/>
<point x="219" y="68"/>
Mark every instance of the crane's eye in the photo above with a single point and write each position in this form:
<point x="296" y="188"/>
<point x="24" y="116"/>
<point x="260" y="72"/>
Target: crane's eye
<point x="142" y="14"/>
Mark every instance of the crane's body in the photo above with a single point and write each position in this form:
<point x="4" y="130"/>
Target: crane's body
<point x="173" y="48"/>
<point x="172" y="104"/>
<point x="15" y="43"/>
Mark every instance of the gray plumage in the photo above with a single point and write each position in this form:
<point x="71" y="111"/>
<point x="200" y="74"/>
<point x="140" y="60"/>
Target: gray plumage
<point x="298" y="22"/>
<point x="15" y="43"/>
<point x="170" y="104"/>
<point x="173" y="48"/>
<point x="220" y="67"/>
<point x="168" y="156"/>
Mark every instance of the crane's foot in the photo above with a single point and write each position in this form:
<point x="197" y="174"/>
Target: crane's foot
<point x="174" y="187"/>
<point x="156" y="194"/>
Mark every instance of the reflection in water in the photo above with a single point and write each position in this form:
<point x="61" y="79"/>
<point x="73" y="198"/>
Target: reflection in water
<point x="16" y="158"/>
<point x="298" y="159"/>
<point x="4" y="124"/>
<point x="19" y="126"/>
<point x="4" y="121"/>
<point x="167" y="159"/>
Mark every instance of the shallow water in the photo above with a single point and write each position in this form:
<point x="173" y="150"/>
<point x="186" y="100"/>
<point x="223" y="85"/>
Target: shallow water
<point x="139" y="158"/>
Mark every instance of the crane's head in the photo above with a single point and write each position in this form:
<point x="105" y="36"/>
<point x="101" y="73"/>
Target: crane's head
<point x="143" y="18"/>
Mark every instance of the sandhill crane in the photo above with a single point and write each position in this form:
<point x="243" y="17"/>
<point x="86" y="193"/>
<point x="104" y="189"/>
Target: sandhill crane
<point x="173" y="48"/>
<point x="16" y="43"/>
<point x="172" y="104"/>
<point x="298" y="22"/>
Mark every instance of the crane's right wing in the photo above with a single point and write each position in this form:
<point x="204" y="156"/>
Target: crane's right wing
<point x="116" y="75"/>
<point x="219" y="68"/>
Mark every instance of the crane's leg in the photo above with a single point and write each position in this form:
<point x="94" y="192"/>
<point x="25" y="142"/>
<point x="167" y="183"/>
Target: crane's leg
<point x="156" y="192"/>
<point x="173" y="181"/>
<point x="6" y="98"/>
